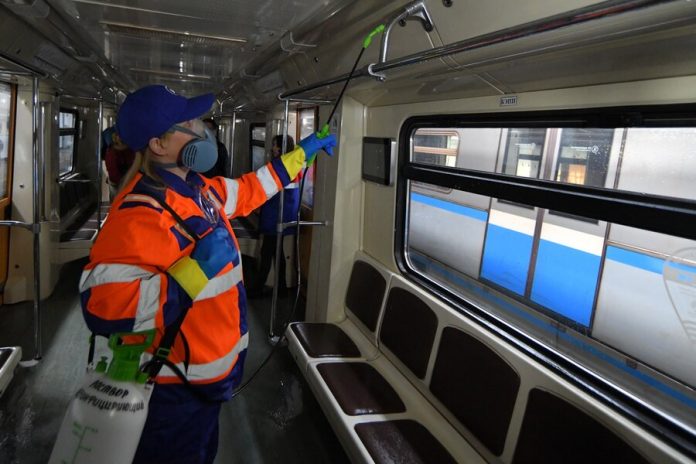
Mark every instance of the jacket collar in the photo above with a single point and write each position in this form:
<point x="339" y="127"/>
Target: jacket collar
<point x="183" y="187"/>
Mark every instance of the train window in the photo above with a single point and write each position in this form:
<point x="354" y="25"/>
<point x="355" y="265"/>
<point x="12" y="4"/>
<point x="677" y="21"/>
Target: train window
<point x="257" y="143"/>
<point x="6" y="122"/>
<point x="523" y="152"/>
<point x="583" y="157"/>
<point x="618" y="299"/>
<point x="435" y="146"/>
<point x="67" y="140"/>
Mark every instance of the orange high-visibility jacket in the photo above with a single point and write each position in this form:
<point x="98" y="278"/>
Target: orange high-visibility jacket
<point x="125" y="286"/>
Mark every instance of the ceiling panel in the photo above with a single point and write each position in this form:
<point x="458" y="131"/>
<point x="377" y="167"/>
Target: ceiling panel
<point x="190" y="46"/>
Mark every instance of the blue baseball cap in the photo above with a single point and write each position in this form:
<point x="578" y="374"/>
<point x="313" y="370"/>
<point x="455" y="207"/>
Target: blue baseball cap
<point x="150" y="112"/>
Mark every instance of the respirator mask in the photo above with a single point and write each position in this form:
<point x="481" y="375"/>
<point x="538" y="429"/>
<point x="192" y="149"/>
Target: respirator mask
<point x="199" y="154"/>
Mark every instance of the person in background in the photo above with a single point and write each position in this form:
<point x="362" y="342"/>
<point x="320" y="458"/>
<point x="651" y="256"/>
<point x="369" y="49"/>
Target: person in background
<point x="118" y="158"/>
<point x="107" y="139"/>
<point x="167" y="255"/>
<point x="220" y="168"/>
<point x="268" y="220"/>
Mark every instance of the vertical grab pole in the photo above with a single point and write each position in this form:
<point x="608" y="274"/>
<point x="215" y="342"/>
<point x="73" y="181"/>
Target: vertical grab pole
<point x="232" y="144"/>
<point x="36" y="226"/>
<point x="100" y="128"/>
<point x="279" y="234"/>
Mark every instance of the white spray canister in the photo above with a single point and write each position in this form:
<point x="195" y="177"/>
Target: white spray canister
<point x="106" y="417"/>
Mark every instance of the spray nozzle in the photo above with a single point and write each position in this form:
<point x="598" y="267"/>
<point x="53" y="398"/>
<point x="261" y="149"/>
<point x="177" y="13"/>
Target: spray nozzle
<point x="324" y="132"/>
<point x="128" y="347"/>
<point x="370" y="36"/>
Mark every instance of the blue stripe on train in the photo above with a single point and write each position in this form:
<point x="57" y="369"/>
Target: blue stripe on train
<point x="429" y="265"/>
<point x="643" y="261"/>
<point x="506" y="258"/>
<point x="565" y="280"/>
<point x="451" y="207"/>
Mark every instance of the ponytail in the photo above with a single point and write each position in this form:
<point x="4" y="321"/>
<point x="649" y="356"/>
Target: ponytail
<point x="143" y="163"/>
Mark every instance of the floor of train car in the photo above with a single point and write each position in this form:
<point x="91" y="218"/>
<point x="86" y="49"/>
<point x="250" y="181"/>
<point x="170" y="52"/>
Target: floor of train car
<point x="276" y="419"/>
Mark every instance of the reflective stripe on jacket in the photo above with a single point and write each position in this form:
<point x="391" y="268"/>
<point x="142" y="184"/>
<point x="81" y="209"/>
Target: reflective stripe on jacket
<point x="125" y="286"/>
<point x="268" y="217"/>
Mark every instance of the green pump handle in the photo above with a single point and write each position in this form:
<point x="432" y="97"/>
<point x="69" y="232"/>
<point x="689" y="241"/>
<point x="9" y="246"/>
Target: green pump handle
<point x="125" y="365"/>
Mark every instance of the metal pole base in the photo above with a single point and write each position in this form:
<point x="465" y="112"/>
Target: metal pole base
<point x="30" y="362"/>
<point x="275" y="340"/>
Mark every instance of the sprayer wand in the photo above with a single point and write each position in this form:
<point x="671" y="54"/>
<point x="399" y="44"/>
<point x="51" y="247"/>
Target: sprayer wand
<point x="321" y="134"/>
<point x="366" y="43"/>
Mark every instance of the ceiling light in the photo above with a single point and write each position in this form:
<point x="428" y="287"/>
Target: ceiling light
<point x="172" y="34"/>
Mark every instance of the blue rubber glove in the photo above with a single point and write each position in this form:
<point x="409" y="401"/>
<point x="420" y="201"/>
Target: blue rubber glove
<point x="313" y="144"/>
<point x="213" y="251"/>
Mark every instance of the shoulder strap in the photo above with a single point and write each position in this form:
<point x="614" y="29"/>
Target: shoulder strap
<point x="161" y="355"/>
<point x="177" y="218"/>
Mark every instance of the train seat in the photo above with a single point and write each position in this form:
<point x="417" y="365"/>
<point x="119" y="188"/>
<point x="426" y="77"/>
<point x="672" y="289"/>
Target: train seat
<point x="9" y="359"/>
<point x="360" y="389"/>
<point x="554" y="430"/>
<point x="402" y="441"/>
<point x="77" y="208"/>
<point x="377" y="405"/>
<point x="356" y="335"/>
<point x="321" y="340"/>
<point x="476" y="385"/>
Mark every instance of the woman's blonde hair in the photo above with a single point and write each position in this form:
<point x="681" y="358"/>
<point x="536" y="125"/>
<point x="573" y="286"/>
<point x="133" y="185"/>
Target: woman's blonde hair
<point x="143" y="163"/>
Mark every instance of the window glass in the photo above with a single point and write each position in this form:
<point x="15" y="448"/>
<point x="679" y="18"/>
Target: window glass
<point x="257" y="146"/>
<point x="523" y="151"/>
<point x="583" y="157"/>
<point x="258" y="132"/>
<point x="258" y="157"/>
<point x="435" y="146"/>
<point x="66" y="148"/>
<point x="5" y="126"/>
<point x="608" y="295"/>
<point x="67" y="120"/>
<point x="67" y="140"/>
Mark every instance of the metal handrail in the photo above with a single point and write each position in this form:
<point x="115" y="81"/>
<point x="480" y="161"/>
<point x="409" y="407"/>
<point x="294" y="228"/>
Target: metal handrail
<point x="279" y="234"/>
<point x="77" y="181"/>
<point x="23" y="225"/>
<point x="36" y="227"/>
<point x="577" y="16"/>
<point x="416" y="10"/>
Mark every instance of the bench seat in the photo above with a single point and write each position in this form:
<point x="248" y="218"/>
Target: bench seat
<point x="402" y="442"/>
<point x="321" y="340"/>
<point x="431" y="385"/>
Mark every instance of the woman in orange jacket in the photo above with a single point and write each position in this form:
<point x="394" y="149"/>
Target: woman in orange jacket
<point x="168" y="246"/>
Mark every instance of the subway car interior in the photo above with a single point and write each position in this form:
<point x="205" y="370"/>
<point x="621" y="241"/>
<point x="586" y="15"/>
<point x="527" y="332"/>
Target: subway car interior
<point x="497" y="264"/>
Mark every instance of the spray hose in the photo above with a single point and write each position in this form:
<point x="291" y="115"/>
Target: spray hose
<point x="324" y="132"/>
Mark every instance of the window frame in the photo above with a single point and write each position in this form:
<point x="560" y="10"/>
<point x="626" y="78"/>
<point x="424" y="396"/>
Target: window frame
<point x="7" y="199"/>
<point x="75" y="132"/>
<point x="646" y="211"/>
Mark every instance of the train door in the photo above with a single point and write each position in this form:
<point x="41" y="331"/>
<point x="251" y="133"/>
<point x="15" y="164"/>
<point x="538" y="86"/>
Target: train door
<point x="440" y="215"/>
<point x="508" y="250"/>
<point x="8" y="97"/>
<point x="579" y="156"/>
